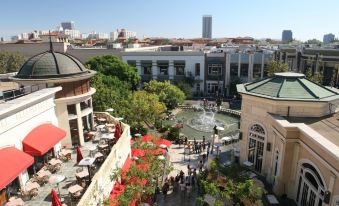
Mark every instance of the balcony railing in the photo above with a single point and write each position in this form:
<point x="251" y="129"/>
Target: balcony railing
<point x="16" y="93"/>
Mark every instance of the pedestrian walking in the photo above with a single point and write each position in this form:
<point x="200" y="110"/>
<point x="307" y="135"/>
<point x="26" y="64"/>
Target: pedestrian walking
<point x="200" y="166"/>
<point x="185" y="140"/>
<point x="165" y="189"/>
<point x="189" y="171"/>
<point x="203" y="146"/>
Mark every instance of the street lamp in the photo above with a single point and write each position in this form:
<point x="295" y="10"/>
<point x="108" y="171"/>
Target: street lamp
<point x="216" y="130"/>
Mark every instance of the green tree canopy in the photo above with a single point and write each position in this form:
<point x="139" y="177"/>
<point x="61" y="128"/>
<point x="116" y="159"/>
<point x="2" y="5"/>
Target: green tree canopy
<point x="313" y="41"/>
<point x="113" y="66"/>
<point x="276" y="66"/>
<point x="144" y="107"/>
<point x="186" y="88"/>
<point x="11" y="62"/>
<point x="169" y="94"/>
<point x="110" y="93"/>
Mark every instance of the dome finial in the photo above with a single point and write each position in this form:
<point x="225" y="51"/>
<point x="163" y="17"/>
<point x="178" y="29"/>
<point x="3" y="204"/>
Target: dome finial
<point x="50" y="41"/>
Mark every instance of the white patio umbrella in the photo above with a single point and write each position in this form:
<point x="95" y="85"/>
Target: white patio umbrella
<point x="109" y="110"/>
<point x="56" y="179"/>
<point x="161" y="157"/>
<point x="162" y="146"/>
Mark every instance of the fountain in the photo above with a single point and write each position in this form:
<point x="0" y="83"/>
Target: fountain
<point x="206" y="121"/>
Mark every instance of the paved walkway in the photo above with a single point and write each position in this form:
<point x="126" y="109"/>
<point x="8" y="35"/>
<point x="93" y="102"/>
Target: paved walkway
<point x="179" y="162"/>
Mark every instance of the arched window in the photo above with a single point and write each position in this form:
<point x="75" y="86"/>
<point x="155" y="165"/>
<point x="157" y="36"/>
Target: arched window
<point x="310" y="186"/>
<point x="256" y="144"/>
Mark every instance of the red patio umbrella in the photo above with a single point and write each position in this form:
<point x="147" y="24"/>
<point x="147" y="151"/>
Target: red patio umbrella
<point x="137" y="152"/>
<point x="147" y="138"/>
<point x="164" y="142"/>
<point x="55" y="199"/>
<point x="79" y="154"/>
<point x="117" y="132"/>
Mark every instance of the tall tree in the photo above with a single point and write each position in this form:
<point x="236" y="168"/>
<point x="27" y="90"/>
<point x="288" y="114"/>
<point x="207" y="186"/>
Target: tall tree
<point x="11" y="62"/>
<point x="169" y="94"/>
<point x="144" y="108"/>
<point x="110" y="93"/>
<point x="113" y="66"/>
<point x="276" y="66"/>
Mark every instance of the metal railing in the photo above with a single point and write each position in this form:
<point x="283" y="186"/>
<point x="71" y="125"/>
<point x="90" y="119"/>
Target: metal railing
<point x="22" y="91"/>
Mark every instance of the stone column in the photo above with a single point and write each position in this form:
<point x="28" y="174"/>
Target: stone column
<point x="239" y="64"/>
<point x="291" y="189"/>
<point x="171" y="72"/>
<point x="154" y="69"/>
<point x="250" y="67"/>
<point x="330" y="187"/>
<point x="228" y="72"/>
<point x="91" y="117"/>
<point x="262" y="66"/>
<point x="138" y="66"/>
<point x="80" y="126"/>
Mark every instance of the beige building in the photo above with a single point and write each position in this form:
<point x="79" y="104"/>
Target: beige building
<point x="290" y="135"/>
<point x="74" y="102"/>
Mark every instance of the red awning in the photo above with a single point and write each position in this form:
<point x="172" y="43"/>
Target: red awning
<point x="13" y="162"/>
<point x="42" y="138"/>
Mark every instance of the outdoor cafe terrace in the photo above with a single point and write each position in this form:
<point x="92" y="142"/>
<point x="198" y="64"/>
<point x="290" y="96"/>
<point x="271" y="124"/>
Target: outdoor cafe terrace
<point x="80" y="176"/>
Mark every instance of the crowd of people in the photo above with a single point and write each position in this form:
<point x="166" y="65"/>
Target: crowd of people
<point x="185" y="182"/>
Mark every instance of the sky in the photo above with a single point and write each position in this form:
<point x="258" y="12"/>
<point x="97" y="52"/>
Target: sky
<point x="307" y="19"/>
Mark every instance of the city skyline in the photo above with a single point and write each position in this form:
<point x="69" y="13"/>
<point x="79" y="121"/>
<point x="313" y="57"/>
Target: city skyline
<point x="260" y="19"/>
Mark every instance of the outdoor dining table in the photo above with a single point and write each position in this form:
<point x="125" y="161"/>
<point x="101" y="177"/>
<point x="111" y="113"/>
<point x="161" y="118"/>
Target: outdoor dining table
<point x="54" y="162"/>
<point x="31" y="186"/>
<point x="110" y="125"/>
<point x="107" y="136"/>
<point x="101" y="120"/>
<point x="42" y="173"/>
<point x="82" y="174"/>
<point x="102" y="146"/>
<point x="75" y="188"/>
<point x="65" y="152"/>
<point x="88" y="161"/>
<point x="98" y="154"/>
<point x="15" y="202"/>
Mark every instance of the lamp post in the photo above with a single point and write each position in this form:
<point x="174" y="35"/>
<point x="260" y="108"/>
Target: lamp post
<point x="216" y="130"/>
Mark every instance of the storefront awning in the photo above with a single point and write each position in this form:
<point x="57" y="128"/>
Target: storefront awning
<point x="13" y="162"/>
<point x="42" y="138"/>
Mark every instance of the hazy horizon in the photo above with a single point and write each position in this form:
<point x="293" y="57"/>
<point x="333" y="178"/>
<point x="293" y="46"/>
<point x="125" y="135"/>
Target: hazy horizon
<point x="259" y="19"/>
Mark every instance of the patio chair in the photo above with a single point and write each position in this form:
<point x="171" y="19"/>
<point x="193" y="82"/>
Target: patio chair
<point x="34" y="193"/>
<point x="25" y="196"/>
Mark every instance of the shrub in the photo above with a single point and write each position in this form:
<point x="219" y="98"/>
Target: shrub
<point x="173" y="133"/>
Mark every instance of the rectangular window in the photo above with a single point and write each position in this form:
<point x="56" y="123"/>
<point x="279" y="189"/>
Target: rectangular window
<point x="198" y="87"/>
<point x="147" y="69"/>
<point x="197" y="69"/>
<point x="132" y="63"/>
<point x="163" y="68"/>
<point x="244" y="70"/>
<point x="179" y="68"/>
<point x="234" y="69"/>
<point x="256" y="71"/>
<point x="212" y="88"/>
<point x="214" y="69"/>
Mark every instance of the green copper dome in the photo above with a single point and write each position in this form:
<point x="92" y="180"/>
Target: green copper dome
<point x="51" y="64"/>
<point x="288" y="86"/>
